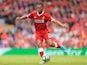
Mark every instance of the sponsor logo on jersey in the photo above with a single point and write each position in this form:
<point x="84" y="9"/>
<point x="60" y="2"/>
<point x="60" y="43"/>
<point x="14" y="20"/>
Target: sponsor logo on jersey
<point x="39" y="21"/>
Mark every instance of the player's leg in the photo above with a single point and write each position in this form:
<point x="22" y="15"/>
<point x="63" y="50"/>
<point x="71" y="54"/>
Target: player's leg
<point x="54" y="43"/>
<point x="40" y="49"/>
<point x="40" y="38"/>
<point x="39" y="41"/>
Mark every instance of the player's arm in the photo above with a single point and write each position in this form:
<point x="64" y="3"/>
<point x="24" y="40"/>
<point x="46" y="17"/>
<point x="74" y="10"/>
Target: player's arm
<point x="58" y="23"/>
<point x="22" y="17"/>
<point x="30" y="15"/>
<point x="49" y="18"/>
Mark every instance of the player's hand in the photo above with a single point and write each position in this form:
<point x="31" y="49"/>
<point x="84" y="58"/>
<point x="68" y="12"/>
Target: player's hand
<point x="65" y="25"/>
<point x="18" y="18"/>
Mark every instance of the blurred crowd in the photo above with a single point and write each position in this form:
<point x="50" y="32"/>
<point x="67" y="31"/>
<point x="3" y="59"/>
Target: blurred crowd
<point x="20" y="34"/>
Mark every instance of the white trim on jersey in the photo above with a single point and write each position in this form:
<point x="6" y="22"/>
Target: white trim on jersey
<point x="28" y="15"/>
<point x="40" y="14"/>
<point x="52" y="19"/>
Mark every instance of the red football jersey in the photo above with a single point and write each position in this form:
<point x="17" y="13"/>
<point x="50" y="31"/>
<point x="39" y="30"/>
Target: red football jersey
<point x="40" y="20"/>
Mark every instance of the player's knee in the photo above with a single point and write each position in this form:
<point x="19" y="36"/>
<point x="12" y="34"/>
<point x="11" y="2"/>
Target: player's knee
<point x="39" y="43"/>
<point x="49" y="42"/>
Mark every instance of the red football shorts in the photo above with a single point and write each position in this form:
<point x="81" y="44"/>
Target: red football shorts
<point x="42" y="35"/>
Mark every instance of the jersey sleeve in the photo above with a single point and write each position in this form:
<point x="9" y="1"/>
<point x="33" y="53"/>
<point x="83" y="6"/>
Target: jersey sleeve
<point x="48" y="17"/>
<point x="31" y="15"/>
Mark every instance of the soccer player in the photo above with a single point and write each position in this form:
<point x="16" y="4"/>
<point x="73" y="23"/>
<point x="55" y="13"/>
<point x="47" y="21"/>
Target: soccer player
<point x="41" y="18"/>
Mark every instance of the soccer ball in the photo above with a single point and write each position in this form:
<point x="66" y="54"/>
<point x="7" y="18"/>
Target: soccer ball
<point x="45" y="58"/>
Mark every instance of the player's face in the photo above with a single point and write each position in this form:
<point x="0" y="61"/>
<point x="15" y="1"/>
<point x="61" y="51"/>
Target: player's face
<point x="39" y="8"/>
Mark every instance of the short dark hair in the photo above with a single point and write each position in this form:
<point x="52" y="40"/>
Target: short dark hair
<point x="41" y="4"/>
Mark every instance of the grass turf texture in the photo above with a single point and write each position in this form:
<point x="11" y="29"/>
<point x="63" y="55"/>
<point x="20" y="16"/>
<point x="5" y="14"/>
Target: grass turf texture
<point x="34" y="60"/>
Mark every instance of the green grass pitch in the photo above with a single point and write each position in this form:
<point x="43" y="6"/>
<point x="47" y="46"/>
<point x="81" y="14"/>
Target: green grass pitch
<point x="34" y="60"/>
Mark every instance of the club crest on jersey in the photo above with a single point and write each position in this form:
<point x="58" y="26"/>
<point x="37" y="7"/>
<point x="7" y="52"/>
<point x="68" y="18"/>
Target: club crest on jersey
<point x="43" y="18"/>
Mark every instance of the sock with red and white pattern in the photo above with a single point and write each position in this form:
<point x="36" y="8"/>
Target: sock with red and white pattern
<point x="41" y="51"/>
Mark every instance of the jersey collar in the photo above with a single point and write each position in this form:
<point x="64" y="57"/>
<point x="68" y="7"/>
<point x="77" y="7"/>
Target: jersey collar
<point x="40" y="14"/>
